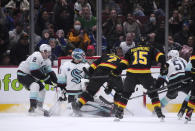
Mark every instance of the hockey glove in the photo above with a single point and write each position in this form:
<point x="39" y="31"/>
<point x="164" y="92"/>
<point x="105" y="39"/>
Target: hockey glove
<point x="164" y="69"/>
<point x="115" y="73"/>
<point x="47" y="80"/>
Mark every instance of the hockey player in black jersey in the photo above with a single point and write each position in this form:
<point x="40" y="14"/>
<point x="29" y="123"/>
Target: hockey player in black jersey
<point x="191" y="102"/>
<point x="101" y="67"/>
<point x="138" y="61"/>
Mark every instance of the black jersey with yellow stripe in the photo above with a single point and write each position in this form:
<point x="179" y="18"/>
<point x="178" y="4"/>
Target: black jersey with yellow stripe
<point x="108" y="61"/>
<point x="139" y="59"/>
<point x="192" y="59"/>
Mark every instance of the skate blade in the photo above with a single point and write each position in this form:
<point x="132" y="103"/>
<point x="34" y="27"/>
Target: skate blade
<point x="32" y="114"/>
<point x="116" y="119"/>
<point x="76" y="114"/>
<point x="186" y="121"/>
<point x="162" y="119"/>
<point x="179" y="116"/>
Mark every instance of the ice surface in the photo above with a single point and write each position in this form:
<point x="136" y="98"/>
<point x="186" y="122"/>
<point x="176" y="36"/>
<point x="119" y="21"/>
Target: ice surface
<point x="23" y="122"/>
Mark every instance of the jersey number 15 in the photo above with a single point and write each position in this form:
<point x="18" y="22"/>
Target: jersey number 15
<point x="140" y="57"/>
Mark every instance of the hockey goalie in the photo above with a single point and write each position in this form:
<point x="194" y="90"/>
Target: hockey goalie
<point x="72" y="81"/>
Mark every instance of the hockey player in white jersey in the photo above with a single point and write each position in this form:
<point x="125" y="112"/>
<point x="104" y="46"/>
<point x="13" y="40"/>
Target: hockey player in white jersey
<point x="71" y="73"/>
<point x="35" y="68"/>
<point x="176" y="72"/>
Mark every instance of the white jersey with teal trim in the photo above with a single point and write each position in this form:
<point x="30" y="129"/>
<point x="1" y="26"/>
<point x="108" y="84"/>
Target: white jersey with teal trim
<point x="177" y="67"/>
<point x="71" y="74"/>
<point x="35" y="62"/>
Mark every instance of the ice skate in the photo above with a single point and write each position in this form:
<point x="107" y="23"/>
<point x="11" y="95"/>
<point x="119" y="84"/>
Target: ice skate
<point x="159" y="113"/>
<point x="181" y="113"/>
<point x="119" y="114"/>
<point x="76" y="108"/>
<point x="188" y="115"/>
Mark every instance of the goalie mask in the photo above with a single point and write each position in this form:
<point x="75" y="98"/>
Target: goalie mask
<point x="78" y="54"/>
<point x="173" y="54"/>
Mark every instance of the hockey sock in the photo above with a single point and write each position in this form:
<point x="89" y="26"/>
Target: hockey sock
<point x="34" y="92"/>
<point x="164" y="101"/>
<point x="40" y="98"/>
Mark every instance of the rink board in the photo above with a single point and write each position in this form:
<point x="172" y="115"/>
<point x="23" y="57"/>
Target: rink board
<point x="14" y="96"/>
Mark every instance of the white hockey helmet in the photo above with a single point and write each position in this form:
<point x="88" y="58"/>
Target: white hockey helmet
<point x="45" y="47"/>
<point x="78" y="54"/>
<point x="173" y="54"/>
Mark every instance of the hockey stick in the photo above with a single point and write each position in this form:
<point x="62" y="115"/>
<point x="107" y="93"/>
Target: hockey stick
<point x="162" y="89"/>
<point x="56" y="107"/>
<point x="111" y="103"/>
<point x="98" y="107"/>
<point x="107" y="76"/>
<point x="173" y="84"/>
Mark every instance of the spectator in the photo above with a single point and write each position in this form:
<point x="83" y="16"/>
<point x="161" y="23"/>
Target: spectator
<point x="42" y="22"/>
<point x="4" y="40"/>
<point x="78" y="38"/>
<point x="118" y="36"/>
<point x="92" y="37"/>
<point x="44" y="40"/>
<point x="175" y="22"/>
<point x="90" y="50"/>
<point x="172" y="45"/>
<point x="63" y="16"/>
<point x="60" y="38"/>
<point x="36" y="37"/>
<point x="37" y="9"/>
<point x="22" y="5"/>
<point x="191" y="41"/>
<point x="182" y="36"/>
<point x="128" y="43"/>
<point x="55" y="49"/>
<point x="5" y="59"/>
<point x="79" y="4"/>
<point x="152" y="25"/>
<point x="87" y="19"/>
<point x="20" y="51"/>
<point x="109" y="27"/>
<point x="131" y="26"/>
<point x="15" y="34"/>
<point x="138" y="11"/>
<point x="51" y="30"/>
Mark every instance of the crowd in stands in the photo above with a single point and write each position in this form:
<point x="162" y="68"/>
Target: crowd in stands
<point x="69" y="24"/>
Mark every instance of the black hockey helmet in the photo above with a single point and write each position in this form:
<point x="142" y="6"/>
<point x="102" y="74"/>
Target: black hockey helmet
<point x="143" y="40"/>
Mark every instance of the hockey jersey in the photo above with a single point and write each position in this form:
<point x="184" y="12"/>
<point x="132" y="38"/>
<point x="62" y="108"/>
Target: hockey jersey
<point x="176" y="68"/>
<point x="35" y="62"/>
<point x="139" y="59"/>
<point x="71" y="74"/>
<point x="109" y="61"/>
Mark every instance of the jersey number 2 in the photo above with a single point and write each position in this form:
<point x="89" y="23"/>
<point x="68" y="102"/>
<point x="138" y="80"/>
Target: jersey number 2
<point x="139" y="57"/>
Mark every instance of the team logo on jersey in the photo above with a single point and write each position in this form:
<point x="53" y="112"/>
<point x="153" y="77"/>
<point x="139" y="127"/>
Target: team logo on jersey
<point x="76" y="74"/>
